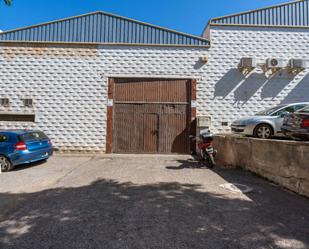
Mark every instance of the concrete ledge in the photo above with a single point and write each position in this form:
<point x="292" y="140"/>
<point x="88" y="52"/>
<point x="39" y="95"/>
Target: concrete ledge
<point x="283" y="162"/>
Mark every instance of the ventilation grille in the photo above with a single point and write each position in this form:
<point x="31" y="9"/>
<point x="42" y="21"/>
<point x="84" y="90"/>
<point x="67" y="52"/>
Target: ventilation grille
<point x="28" y="102"/>
<point x="5" y="102"/>
<point x="17" y="117"/>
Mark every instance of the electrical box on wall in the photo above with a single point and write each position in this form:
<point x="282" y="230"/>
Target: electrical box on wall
<point x="203" y="121"/>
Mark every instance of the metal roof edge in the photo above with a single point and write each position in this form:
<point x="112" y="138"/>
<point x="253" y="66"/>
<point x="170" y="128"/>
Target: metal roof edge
<point x="208" y="25"/>
<point x="108" y="14"/>
<point x="102" y="44"/>
<point x="257" y="26"/>
<point x="154" y="26"/>
<point x="255" y="10"/>
<point x="50" y="22"/>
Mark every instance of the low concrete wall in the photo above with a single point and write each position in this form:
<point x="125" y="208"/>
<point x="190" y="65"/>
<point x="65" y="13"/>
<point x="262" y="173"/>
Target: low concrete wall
<point x="283" y="162"/>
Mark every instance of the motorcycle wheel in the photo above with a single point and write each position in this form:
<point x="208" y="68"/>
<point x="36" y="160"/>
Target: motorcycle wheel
<point x="211" y="161"/>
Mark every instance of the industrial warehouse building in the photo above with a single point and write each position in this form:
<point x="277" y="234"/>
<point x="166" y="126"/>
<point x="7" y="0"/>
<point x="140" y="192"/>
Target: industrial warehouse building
<point x="101" y="82"/>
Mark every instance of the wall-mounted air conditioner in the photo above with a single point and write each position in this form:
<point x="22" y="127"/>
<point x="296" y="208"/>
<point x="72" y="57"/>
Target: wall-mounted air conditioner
<point x="297" y="64"/>
<point x="247" y="64"/>
<point x="275" y="63"/>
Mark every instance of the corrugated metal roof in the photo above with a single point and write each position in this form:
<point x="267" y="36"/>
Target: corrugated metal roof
<point x="102" y="27"/>
<point x="293" y="14"/>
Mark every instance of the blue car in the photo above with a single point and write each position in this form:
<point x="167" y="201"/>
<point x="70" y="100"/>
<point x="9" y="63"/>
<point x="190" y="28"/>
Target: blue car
<point x="23" y="146"/>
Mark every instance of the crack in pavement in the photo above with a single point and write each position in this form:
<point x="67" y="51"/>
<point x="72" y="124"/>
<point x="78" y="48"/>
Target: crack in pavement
<point x="78" y="166"/>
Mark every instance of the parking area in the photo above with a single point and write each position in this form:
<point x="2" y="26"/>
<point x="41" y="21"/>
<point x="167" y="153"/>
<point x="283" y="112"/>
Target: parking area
<point x="145" y="202"/>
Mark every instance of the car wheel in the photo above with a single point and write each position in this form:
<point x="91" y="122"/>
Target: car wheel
<point x="264" y="131"/>
<point x="5" y="164"/>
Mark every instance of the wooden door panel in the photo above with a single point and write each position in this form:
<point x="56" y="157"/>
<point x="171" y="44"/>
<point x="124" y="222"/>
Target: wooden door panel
<point x="152" y="90"/>
<point x="151" y="133"/>
<point x="121" y="137"/>
<point x="174" y="136"/>
<point x="151" y="116"/>
<point x="127" y="134"/>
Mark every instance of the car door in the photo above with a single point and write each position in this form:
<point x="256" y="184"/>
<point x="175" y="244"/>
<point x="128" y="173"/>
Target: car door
<point x="4" y="145"/>
<point x="279" y="117"/>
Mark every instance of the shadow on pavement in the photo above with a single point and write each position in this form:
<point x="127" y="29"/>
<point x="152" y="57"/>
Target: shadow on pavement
<point x="109" y="214"/>
<point x="187" y="164"/>
<point x="29" y="165"/>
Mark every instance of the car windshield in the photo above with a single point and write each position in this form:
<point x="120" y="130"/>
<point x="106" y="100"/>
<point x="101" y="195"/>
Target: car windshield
<point x="269" y="111"/>
<point x="306" y="110"/>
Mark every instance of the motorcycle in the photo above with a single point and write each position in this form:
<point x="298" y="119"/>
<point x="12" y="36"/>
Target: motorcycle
<point x="206" y="151"/>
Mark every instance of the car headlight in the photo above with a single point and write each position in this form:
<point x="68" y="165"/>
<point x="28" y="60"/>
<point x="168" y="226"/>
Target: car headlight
<point x="236" y="123"/>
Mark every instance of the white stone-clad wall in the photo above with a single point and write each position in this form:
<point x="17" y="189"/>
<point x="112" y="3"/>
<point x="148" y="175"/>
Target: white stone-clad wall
<point x="69" y="85"/>
<point x="228" y="95"/>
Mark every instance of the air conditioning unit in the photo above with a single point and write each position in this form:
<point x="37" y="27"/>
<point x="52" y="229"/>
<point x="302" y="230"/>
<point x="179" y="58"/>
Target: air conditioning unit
<point x="274" y="63"/>
<point x="248" y="62"/>
<point x="297" y="64"/>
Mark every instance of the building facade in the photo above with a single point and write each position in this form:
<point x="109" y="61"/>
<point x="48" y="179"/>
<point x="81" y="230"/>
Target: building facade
<point x="101" y="82"/>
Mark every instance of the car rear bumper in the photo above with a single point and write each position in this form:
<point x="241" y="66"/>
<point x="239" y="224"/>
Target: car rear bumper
<point x="23" y="157"/>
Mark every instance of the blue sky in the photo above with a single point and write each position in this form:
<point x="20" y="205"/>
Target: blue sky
<point x="188" y="16"/>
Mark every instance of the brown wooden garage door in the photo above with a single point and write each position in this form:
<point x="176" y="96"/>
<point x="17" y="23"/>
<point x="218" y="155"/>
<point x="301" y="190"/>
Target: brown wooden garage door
<point x="151" y="116"/>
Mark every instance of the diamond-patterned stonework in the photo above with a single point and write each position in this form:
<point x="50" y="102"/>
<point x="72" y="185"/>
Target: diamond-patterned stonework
<point x="68" y="83"/>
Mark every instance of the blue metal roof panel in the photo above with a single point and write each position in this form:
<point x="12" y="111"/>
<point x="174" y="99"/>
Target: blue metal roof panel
<point x="293" y="14"/>
<point x="101" y="27"/>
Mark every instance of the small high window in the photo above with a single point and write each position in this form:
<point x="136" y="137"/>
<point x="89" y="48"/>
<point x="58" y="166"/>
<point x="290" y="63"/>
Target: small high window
<point x="28" y="102"/>
<point x="5" y="102"/>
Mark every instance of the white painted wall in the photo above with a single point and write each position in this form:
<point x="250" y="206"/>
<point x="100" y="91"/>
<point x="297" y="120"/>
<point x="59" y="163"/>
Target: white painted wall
<point x="69" y="84"/>
<point x="228" y="95"/>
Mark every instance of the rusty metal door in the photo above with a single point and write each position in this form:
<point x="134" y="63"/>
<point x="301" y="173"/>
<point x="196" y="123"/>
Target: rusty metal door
<point x="151" y="116"/>
<point x="151" y="132"/>
<point x="173" y="125"/>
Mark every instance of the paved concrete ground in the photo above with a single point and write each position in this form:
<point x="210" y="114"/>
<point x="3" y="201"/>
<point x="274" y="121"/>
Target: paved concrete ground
<point x="145" y="202"/>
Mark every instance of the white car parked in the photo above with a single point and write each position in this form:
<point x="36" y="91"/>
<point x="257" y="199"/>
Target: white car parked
<point x="267" y="123"/>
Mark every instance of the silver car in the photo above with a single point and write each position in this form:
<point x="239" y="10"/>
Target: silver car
<point x="267" y="123"/>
